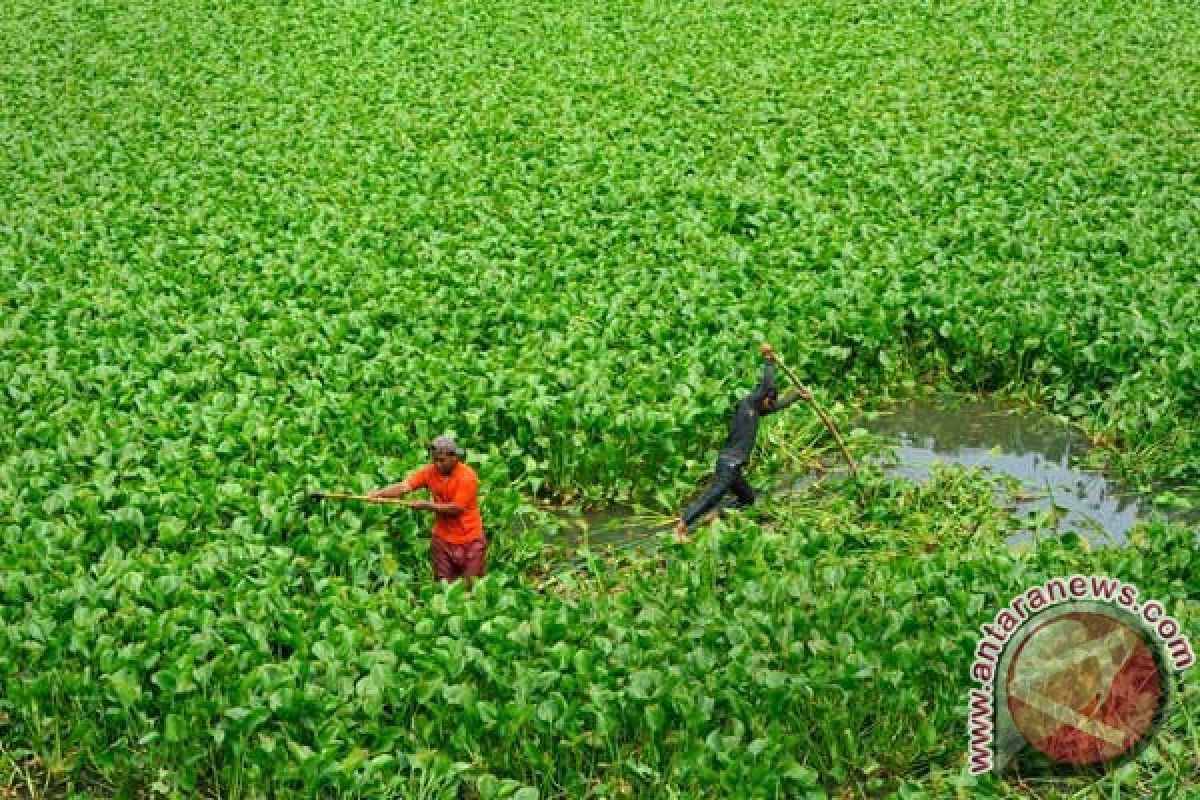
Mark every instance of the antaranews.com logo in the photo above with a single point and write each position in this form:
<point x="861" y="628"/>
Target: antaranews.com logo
<point x="1078" y="668"/>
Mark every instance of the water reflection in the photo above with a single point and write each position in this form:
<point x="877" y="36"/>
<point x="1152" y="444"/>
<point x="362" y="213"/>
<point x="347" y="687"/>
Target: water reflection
<point x="1035" y="449"/>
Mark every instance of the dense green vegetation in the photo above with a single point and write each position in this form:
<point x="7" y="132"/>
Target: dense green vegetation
<point x="250" y="249"/>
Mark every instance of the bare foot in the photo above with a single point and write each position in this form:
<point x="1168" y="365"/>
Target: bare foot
<point x="681" y="532"/>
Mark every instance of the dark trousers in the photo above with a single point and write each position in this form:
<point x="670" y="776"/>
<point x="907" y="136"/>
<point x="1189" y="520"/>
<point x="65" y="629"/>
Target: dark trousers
<point x="728" y="478"/>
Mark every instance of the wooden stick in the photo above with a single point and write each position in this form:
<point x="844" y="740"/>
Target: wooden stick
<point x="394" y="501"/>
<point x="820" y="412"/>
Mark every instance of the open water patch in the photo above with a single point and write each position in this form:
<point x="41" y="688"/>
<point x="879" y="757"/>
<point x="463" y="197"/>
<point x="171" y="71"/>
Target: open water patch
<point x="607" y="531"/>
<point x="1039" y="451"/>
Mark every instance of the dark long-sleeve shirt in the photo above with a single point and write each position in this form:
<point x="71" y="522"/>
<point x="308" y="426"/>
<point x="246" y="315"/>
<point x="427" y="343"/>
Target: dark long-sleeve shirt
<point x="743" y="428"/>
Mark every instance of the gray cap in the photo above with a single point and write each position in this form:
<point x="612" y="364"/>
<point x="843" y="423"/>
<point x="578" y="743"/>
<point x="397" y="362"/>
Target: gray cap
<point x="444" y="444"/>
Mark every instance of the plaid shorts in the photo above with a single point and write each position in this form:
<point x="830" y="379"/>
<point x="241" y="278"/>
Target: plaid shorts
<point x="453" y="561"/>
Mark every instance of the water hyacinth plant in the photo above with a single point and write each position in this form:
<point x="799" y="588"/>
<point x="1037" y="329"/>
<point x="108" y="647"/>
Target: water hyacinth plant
<point x="249" y="250"/>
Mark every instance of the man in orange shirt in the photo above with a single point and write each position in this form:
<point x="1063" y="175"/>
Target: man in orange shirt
<point x="459" y="547"/>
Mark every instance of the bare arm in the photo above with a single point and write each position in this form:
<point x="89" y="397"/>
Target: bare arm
<point x="449" y="509"/>
<point x="395" y="490"/>
<point x="403" y="488"/>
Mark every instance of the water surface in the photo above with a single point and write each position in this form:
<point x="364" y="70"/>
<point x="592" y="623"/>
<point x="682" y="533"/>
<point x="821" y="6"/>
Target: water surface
<point x="1039" y="451"/>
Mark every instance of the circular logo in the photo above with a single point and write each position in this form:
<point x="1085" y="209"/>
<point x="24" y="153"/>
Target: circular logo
<point x="1085" y="687"/>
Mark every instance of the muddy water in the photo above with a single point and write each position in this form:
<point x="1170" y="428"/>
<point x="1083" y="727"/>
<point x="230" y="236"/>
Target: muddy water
<point x="1037" y="450"/>
<point x="609" y="530"/>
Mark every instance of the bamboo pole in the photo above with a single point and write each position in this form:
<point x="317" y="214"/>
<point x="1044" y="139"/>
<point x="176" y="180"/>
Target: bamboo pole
<point x="808" y="398"/>
<point x="393" y="501"/>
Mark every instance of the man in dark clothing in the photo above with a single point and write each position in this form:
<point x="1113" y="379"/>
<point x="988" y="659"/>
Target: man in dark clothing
<point x="735" y="454"/>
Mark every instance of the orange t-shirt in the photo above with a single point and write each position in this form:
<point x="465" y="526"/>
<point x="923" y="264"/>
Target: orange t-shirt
<point x="460" y="487"/>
